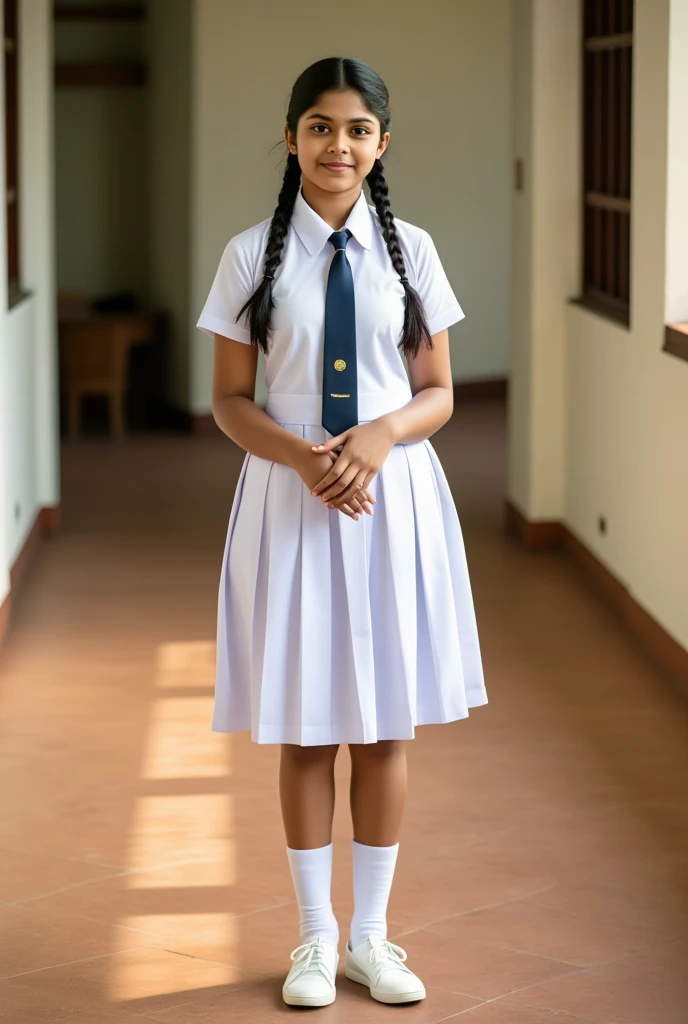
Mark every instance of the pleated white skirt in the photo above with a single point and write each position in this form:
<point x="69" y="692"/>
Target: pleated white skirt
<point x="336" y="631"/>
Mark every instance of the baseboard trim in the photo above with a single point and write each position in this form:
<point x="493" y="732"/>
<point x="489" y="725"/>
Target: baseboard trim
<point x="552" y="535"/>
<point x="536" y="536"/>
<point x="4" y="618"/>
<point x="45" y="524"/>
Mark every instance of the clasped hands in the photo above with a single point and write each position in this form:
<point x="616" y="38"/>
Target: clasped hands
<point x="344" y="486"/>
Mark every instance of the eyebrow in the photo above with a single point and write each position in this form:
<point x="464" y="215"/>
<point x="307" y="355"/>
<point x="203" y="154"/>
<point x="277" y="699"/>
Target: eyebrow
<point x="324" y="117"/>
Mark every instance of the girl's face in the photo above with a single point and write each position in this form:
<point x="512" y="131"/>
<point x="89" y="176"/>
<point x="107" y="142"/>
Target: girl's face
<point x="339" y="129"/>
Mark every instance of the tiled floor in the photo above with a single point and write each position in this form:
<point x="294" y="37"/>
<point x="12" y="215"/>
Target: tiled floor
<point x="542" y="873"/>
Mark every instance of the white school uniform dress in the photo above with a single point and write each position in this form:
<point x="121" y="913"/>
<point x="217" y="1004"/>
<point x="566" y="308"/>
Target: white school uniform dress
<point x="331" y="630"/>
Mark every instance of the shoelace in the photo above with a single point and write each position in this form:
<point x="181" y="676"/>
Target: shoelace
<point x="313" y="956"/>
<point x="385" y="954"/>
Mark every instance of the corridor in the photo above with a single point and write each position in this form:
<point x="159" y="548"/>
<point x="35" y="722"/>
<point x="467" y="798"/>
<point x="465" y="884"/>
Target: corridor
<point x="542" y="871"/>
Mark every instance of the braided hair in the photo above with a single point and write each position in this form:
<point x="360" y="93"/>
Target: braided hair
<point x="335" y="73"/>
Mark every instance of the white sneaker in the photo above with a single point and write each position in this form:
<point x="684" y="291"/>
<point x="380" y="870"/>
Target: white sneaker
<point x="311" y="981"/>
<point x="379" y="964"/>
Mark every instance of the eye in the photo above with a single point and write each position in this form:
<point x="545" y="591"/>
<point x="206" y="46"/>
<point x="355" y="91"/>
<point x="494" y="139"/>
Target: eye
<point x="357" y="128"/>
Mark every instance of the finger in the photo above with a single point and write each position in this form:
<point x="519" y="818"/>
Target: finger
<point x="333" y="442"/>
<point x="349" y="492"/>
<point x="357" y="504"/>
<point x="352" y="504"/>
<point x="330" y="478"/>
<point x="367" y="495"/>
<point x="342" y="484"/>
<point x="348" y="511"/>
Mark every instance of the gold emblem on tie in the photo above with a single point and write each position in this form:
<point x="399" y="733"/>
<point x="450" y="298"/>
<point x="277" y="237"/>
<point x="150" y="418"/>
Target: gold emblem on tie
<point x="339" y="364"/>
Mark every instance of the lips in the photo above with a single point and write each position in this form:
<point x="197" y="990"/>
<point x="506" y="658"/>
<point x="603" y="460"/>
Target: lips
<point x="337" y="165"/>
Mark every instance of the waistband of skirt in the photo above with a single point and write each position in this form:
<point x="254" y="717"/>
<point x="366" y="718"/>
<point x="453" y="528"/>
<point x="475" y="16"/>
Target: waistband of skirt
<point x="307" y="409"/>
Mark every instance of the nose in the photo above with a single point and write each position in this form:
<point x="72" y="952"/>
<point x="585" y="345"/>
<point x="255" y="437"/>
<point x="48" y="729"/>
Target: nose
<point x="339" y="143"/>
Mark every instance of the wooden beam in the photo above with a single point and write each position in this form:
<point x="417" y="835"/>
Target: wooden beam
<point x="604" y="202"/>
<point x="105" y="12"/>
<point x="621" y="41"/>
<point x="99" y="74"/>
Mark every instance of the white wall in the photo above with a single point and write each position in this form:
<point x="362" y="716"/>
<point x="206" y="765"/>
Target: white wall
<point x="628" y="400"/>
<point x="447" y="66"/>
<point x="29" y="454"/>
<point x="677" y="167"/>
<point x="19" y="412"/>
<point x="520" y="386"/>
<point x="545" y="247"/>
<point x="5" y="421"/>
<point x="123" y="171"/>
<point x="612" y="440"/>
<point x="101" y="159"/>
<point x="169" y="47"/>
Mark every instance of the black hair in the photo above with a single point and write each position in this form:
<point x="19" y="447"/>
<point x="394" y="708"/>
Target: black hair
<point x="335" y="73"/>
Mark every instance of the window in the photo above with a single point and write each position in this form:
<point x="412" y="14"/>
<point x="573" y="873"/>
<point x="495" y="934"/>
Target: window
<point x="607" y="78"/>
<point x="12" y="151"/>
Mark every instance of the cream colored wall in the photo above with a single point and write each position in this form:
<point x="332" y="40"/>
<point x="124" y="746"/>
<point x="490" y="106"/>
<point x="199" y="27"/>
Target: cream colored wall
<point x="628" y="400"/>
<point x="101" y="159"/>
<point x="545" y="228"/>
<point x="19" y="410"/>
<point x="598" y="413"/>
<point x="169" y="49"/>
<point x="29" y="446"/>
<point x="447" y="66"/>
<point x="677" y="167"/>
<point x="5" y="420"/>
<point x="521" y="241"/>
<point x="123" y="171"/>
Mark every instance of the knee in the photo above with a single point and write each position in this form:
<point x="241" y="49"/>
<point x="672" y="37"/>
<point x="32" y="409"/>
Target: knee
<point x="306" y="758"/>
<point x="382" y="752"/>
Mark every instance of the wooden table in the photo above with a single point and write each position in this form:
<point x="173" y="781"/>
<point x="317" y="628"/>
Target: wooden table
<point x="94" y="358"/>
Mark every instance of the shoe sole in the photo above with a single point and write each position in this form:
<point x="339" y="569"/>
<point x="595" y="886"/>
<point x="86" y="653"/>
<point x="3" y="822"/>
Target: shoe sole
<point x="310" y="1000"/>
<point x="383" y="997"/>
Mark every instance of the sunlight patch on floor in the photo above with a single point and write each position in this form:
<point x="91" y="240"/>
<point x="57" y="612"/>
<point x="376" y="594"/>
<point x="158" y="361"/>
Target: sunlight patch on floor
<point x="193" y="754"/>
<point x="180" y="841"/>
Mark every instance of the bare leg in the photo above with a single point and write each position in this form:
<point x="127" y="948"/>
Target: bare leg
<point x="378" y="795"/>
<point x="306" y="785"/>
<point x="378" y="791"/>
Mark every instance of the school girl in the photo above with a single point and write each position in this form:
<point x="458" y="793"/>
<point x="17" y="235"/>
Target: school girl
<point x="345" y="611"/>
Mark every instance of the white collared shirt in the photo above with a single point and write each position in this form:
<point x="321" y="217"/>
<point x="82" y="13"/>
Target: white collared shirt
<point x="294" y="362"/>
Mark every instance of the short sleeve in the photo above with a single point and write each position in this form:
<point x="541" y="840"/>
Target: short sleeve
<point x="439" y="302"/>
<point x="232" y="286"/>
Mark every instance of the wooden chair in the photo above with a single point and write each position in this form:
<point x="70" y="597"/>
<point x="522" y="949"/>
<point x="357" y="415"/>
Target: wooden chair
<point x="94" y="355"/>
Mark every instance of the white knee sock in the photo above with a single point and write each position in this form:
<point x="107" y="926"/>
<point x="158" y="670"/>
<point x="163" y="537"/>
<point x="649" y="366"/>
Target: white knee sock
<point x="311" y="871"/>
<point x="373" y="874"/>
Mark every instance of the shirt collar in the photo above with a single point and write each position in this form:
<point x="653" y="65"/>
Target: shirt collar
<point x="314" y="231"/>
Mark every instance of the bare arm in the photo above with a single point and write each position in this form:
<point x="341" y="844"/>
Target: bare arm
<point x="433" y="394"/>
<point x="235" y="412"/>
<point x="249" y="426"/>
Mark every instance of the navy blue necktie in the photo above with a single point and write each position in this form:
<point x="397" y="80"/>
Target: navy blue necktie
<point x="340" y="376"/>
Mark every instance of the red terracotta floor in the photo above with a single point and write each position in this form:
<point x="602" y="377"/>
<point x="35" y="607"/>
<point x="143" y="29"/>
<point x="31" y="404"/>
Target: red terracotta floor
<point x="542" y="873"/>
